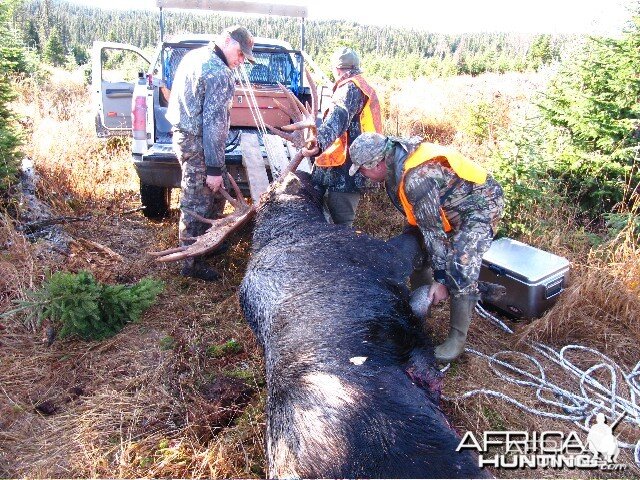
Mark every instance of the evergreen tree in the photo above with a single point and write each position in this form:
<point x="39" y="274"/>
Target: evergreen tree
<point x="54" y="51"/>
<point x="595" y="100"/>
<point x="41" y="11"/>
<point x="79" y="306"/>
<point x="82" y="25"/>
<point x="31" y="36"/>
<point x="80" y="54"/>
<point x="11" y="61"/>
<point x="542" y="52"/>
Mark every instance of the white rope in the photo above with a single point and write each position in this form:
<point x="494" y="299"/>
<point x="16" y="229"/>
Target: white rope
<point x="486" y="315"/>
<point x="245" y="83"/>
<point x="254" y="108"/>
<point x="589" y="385"/>
<point x="619" y="398"/>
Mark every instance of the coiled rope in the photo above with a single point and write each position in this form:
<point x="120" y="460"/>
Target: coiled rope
<point x="561" y="403"/>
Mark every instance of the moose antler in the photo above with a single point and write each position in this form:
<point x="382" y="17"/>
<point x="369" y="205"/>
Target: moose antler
<point x="220" y="229"/>
<point x="304" y="130"/>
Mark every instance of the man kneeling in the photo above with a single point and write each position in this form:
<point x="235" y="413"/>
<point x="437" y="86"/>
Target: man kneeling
<point x="456" y="205"/>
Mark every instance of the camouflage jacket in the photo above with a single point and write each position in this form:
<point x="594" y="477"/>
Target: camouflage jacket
<point x="201" y="99"/>
<point x="344" y="115"/>
<point x="432" y="186"/>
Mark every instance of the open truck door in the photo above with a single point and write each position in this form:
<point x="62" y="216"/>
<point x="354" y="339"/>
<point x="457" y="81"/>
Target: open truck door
<point x="116" y="68"/>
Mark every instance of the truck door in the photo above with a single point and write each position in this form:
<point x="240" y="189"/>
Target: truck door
<point x="115" y="71"/>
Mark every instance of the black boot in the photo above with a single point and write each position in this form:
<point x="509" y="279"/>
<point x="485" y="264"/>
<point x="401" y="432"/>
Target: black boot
<point x="196" y="268"/>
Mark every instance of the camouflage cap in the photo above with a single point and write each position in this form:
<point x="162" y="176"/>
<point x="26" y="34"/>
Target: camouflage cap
<point x="345" y="57"/>
<point x="241" y="35"/>
<point x="367" y="151"/>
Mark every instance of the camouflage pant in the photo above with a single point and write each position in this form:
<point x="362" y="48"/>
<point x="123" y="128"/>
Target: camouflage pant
<point x="195" y="196"/>
<point x="341" y="207"/>
<point x="474" y="216"/>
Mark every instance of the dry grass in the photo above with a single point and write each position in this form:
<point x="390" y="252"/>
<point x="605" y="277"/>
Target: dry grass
<point x="598" y="310"/>
<point x="449" y="110"/>
<point x="605" y="292"/>
<point x="138" y="404"/>
<point x="73" y="165"/>
<point x="17" y="264"/>
<point x="151" y="402"/>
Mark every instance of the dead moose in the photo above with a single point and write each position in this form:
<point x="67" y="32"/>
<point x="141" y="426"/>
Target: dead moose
<point x="352" y="386"/>
<point x="351" y="380"/>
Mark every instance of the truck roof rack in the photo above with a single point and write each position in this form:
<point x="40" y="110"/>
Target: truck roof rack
<point x="238" y="6"/>
<point x="241" y="6"/>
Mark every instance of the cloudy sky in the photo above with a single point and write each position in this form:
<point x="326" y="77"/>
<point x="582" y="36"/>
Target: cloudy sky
<point x="454" y="16"/>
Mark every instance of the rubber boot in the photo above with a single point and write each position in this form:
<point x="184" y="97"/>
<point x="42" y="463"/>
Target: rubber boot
<point x="460" y="318"/>
<point x="196" y="268"/>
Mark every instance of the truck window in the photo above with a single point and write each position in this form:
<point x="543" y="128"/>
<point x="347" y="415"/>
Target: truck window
<point x="121" y="65"/>
<point x="172" y="58"/>
<point x="271" y="68"/>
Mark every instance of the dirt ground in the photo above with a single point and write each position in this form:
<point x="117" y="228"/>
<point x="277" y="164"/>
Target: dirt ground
<point x="164" y="397"/>
<point x="181" y="393"/>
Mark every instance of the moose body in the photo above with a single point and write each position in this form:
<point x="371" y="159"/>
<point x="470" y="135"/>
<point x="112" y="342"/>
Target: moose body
<point x="352" y="386"/>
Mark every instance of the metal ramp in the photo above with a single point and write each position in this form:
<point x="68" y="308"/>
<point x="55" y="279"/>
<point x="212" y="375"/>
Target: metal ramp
<point x="261" y="171"/>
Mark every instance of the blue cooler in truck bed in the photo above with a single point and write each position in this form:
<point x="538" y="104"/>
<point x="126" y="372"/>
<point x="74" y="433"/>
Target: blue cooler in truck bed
<point x="533" y="278"/>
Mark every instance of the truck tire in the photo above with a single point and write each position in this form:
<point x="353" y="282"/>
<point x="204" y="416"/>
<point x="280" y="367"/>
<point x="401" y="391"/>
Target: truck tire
<point x="155" y="200"/>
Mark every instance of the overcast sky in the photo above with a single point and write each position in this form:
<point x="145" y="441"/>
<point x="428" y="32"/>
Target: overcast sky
<point x="595" y="17"/>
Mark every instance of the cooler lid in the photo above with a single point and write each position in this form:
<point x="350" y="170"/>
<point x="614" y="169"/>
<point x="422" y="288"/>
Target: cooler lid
<point x="523" y="261"/>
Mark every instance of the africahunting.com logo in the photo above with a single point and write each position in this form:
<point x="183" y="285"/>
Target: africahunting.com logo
<point x="547" y="449"/>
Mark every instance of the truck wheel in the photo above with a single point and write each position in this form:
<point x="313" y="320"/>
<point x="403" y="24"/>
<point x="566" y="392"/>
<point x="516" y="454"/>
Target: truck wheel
<point x="155" y="200"/>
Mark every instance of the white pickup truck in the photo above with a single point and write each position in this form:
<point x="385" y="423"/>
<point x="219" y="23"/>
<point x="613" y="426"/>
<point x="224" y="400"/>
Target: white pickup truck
<point x="131" y="96"/>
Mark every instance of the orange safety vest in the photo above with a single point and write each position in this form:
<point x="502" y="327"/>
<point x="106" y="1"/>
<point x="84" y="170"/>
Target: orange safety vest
<point x="431" y="152"/>
<point x="370" y="121"/>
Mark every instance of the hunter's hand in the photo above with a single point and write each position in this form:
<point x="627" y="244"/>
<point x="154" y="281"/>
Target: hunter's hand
<point x="311" y="151"/>
<point x="214" y="183"/>
<point x="437" y="293"/>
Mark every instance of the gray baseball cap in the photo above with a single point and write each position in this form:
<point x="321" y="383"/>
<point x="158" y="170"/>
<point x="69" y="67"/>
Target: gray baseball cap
<point x="345" y="57"/>
<point x="367" y="151"/>
<point x="241" y="35"/>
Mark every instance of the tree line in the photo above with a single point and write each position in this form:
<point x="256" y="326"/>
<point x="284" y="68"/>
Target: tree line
<point x="60" y="30"/>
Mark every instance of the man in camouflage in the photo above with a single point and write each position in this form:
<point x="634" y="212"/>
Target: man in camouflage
<point x="352" y="97"/>
<point x="437" y="188"/>
<point x="199" y="110"/>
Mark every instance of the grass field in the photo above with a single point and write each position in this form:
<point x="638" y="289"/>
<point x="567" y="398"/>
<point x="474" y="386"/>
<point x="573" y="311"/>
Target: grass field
<point x="165" y="397"/>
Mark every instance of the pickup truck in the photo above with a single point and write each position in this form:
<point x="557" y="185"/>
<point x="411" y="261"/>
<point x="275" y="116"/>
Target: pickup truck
<point x="131" y="94"/>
